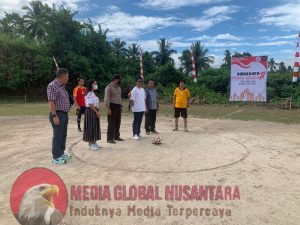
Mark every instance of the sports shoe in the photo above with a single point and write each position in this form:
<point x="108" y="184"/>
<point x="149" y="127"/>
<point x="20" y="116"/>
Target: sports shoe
<point x="93" y="147"/>
<point x="154" y="132"/>
<point x="135" y="137"/>
<point x="119" y="139"/>
<point x="176" y="128"/>
<point x="97" y="146"/>
<point x="59" y="161"/>
<point x="111" y="142"/>
<point x="186" y="130"/>
<point x="148" y="132"/>
<point x="66" y="156"/>
<point x="141" y="136"/>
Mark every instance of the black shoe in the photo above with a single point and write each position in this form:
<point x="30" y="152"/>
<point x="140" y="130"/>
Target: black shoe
<point x="111" y="142"/>
<point x="154" y="132"/>
<point x="79" y="130"/>
<point x="148" y="132"/>
<point x="119" y="139"/>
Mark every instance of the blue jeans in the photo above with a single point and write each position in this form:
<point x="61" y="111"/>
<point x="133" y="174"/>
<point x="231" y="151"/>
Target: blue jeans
<point x="137" y="122"/>
<point x="59" y="134"/>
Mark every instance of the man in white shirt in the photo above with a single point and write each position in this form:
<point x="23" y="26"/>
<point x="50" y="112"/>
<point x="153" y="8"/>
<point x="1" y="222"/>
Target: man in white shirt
<point x="138" y="104"/>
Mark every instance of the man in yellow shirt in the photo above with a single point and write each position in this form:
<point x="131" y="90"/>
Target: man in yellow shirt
<point x="181" y="101"/>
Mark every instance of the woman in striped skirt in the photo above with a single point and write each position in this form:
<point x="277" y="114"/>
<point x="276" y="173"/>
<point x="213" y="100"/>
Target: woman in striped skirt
<point x="91" y="131"/>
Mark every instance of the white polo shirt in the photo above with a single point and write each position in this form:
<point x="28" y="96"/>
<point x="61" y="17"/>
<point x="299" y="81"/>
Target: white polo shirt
<point x="138" y="96"/>
<point x="91" y="98"/>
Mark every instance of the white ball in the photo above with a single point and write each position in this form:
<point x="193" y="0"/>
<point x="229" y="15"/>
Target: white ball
<point x="156" y="140"/>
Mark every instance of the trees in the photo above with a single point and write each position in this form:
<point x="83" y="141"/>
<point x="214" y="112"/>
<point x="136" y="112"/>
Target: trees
<point x="12" y="24"/>
<point x="133" y="51"/>
<point x="36" y="19"/>
<point x="119" y="47"/>
<point x="272" y="65"/>
<point x="202" y="60"/>
<point x="227" y="59"/>
<point x="237" y="54"/>
<point x="163" y="56"/>
<point x="281" y="67"/>
<point x="28" y="43"/>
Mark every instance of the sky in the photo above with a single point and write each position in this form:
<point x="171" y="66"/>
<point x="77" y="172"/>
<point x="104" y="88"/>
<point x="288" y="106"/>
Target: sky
<point x="261" y="27"/>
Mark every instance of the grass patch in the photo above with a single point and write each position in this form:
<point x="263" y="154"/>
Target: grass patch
<point x="235" y="112"/>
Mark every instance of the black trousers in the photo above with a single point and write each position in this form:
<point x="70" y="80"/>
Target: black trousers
<point x="114" y="122"/>
<point x="59" y="134"/>
<point x="79" y="113"/>
<point x="137" y="122"/>
<point x="150" y="120"/>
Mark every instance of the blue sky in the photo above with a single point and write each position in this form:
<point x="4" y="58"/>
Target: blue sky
<point x="261" y="27"/>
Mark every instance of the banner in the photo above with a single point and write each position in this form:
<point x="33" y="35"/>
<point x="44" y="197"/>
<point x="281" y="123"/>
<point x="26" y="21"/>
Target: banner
<point x="249" y="78"/>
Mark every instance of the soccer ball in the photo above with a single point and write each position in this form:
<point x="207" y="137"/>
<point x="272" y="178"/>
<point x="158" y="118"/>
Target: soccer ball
<point x="156" y="140"/>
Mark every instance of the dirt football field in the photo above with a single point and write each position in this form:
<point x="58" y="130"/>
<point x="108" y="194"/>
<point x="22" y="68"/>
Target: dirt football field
<point x="249" y="172"/>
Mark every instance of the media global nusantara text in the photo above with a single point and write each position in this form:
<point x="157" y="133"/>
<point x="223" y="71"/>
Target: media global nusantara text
<point x="154" y="193"/>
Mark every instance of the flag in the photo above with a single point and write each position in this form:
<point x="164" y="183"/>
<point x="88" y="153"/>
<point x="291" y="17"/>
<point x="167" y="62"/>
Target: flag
<point x="194" y="66"/>
<point x="141" y="63"/>
<point x="296" y="64"/>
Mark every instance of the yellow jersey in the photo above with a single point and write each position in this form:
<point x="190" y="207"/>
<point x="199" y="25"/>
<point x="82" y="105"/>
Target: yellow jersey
<point x="181" y="97"/>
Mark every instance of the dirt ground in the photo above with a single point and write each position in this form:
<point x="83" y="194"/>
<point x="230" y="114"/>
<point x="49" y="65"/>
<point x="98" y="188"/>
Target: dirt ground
<point x="261" y="158"/>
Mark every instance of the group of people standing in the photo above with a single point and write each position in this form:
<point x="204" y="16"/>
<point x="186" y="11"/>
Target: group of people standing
<point x="142" y="101"/>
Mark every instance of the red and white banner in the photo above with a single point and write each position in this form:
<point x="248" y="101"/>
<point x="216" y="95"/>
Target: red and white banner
<point x="249" y="78"/>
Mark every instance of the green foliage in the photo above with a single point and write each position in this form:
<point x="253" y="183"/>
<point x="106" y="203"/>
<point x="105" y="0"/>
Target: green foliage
<point x="28" y="43"/>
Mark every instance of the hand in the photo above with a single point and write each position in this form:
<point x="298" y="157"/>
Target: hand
<point x="188" y="105"/>
<point x="56" y="120"/>
<point x="147" y="111"/>
<point x="78" y="107"/>
<point x="98" y="114"/>
<point x="109" y="112"/>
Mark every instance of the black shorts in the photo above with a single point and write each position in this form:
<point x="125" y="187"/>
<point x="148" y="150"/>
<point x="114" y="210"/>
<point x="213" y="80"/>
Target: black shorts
<point x="80" y="111"/>
<point x="180" y="112"/>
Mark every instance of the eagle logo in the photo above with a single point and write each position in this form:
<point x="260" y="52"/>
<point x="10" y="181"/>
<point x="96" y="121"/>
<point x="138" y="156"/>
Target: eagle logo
<point x="39" y="202"/>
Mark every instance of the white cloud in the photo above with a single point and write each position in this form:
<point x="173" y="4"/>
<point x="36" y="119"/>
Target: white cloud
<point x="124" y="25"/>
<point x="274" y="43"/>
<point x="211" y="17"/>
<point x="176" y="59"/>
<point x="171" y="4"/>
<point x="220" y="10"/>
<point x="218" y="61"/>
<point x="127" y="26"/>
<point x="285" y="15"/>
<point x="286" y="37"/>
<point x="10" y="6"/>
<point x="226" y="36"/>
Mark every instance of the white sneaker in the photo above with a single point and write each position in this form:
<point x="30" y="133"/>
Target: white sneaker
<point x="93" y="147"/>
<point x="141" y="136"/>
<point x="136" y="137"/>
<point x="97" y="146"/>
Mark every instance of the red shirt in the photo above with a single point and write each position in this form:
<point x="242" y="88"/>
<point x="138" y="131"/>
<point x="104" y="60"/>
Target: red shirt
<point x="79" y="93"/>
